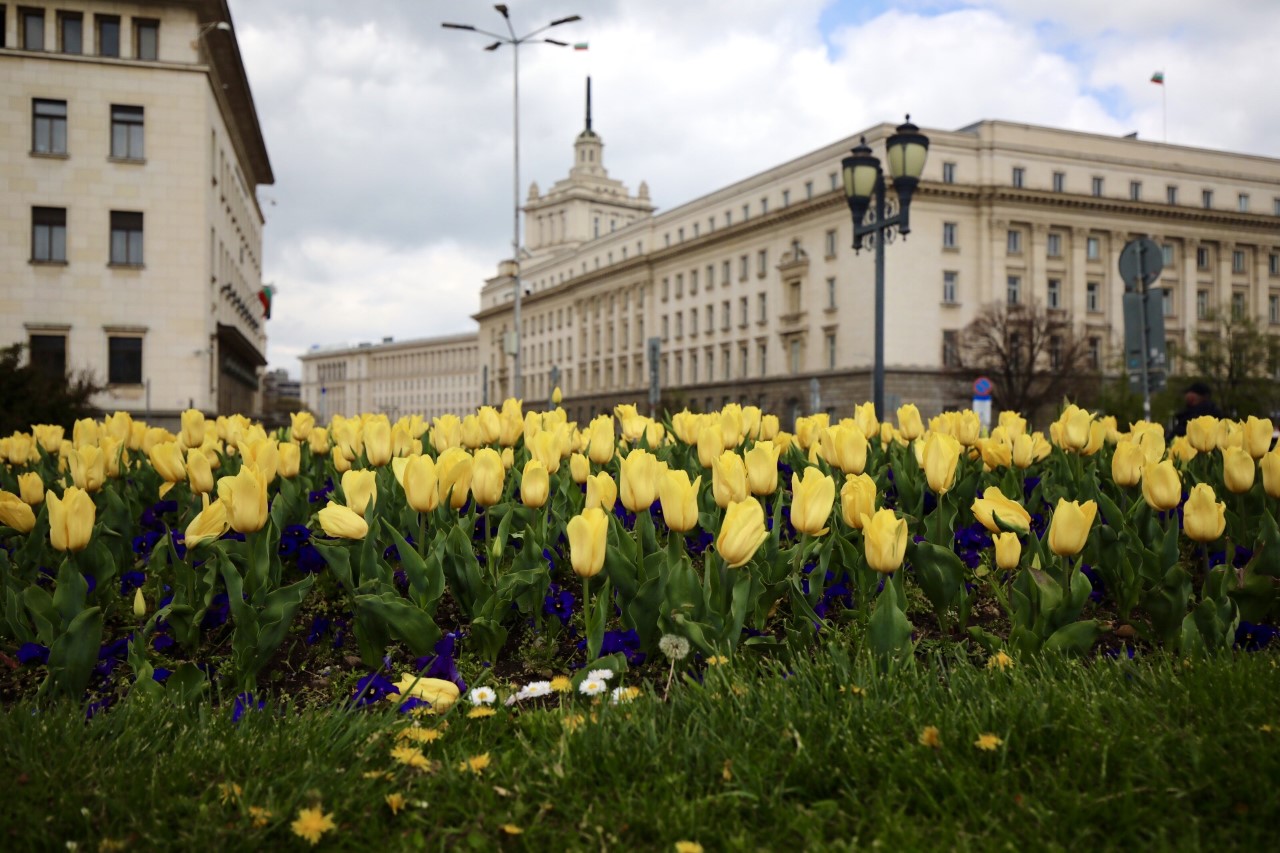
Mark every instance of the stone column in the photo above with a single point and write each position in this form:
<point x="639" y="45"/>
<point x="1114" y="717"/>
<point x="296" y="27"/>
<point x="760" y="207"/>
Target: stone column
<point x="1077" y="278"/>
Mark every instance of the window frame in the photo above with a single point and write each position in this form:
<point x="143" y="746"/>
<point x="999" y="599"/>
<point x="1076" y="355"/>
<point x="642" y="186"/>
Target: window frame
<point x="106" y="27"/>
<point x="950" y="235"/>
<point x="120" y="372"/>
<point x="50" y="121"/>
<point x="55" y="220"/>
<point x="64" y="18"/>
<point x="140" y="26"/>
<point x="134" y="132"/>
<point x="1013" y="289"/>
<point x="28" y="15"/>
<point x="122" y="225"/>
<point x="950" y="287"/>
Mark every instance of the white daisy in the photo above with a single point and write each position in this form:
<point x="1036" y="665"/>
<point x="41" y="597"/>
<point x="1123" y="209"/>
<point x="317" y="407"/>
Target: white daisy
<point x="623" y="694"/>
<point x="534" y="689"/>
<point x="483" y="696"/>
<point x="600" y="675"/>
<point x="592" y="687"/>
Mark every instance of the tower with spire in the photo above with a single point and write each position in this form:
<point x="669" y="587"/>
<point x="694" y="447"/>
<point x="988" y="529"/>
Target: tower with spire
<point x="583" y="206"/>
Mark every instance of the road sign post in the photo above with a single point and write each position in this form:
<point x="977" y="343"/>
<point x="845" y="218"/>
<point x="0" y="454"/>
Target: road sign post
<point x="982" y="401"/>
<point x="1141" y="262"/>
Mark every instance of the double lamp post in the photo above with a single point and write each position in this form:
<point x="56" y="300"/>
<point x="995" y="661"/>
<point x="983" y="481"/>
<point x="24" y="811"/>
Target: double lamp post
<point x="864" y="184"/>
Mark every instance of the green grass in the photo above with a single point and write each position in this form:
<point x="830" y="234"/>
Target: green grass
<point x="1135" y="755"/>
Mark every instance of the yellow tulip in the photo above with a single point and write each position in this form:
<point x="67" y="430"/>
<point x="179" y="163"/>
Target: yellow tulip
<point x="360" y="488"/>
<point x="192" y="428"/>
<point x="1230" y="434"/>
<point x="579" y="468"/>
<point x="654" y="434"/>
<point x="751" y="423"/>
<point x="1150" y="437"/>
<point x="909" y="423"/>
<point x="441" y="695"/>
<point x="1077" y="423"/>
<point x="556" y="396"/>
<point x="1097" y="438"/>
<point x="1204" y="518"/>
<point x="472" y="437"/>
<point x="421" y="486"/>
<point x="199" y="472"/>
<point x="139" y="603"/>
<point x="845" y="447"/>
<point x="995" y="453"/>
<point x="446" y="432"/>
<point x="638" y="480"/>
<point x="535" y="484"/>
<point x="1126" y="463"/>
<point x="741" y="533"/>
<point x="1258" y="433"/>
<point x="377" y="441"/>
<point x="1180" y="449"/>
<point x="731" y="426"/>
<point x="811" y="501"/>
<point x="941" y="454"/>
<point x="88" y="468"/>
<point x="864" y="416"/>
<point x="510" y="423"/>
<point x="453" y="475"/>
<point x="488" y="475"/>
<point x="1070" y="526"/>
<point x="884" y="539"/>
<point x="301" y="424"/>
<point x="1023" y="451"/>
<point x="1008" y="550"/>
<point x="16" y="513"/>
<point x="31" y="488"/>
<point x="728" y="478"/>
<point x="210" y="523"/>
<point x="49" y="436"/>
<point x="490" y="424"/>
<point x="1014" y="424"/>
<point x="341" y="462"/>
<point x="710" y="445"/>
<point x="602" y="492"/>
<point x="686" y="425"/>
<point x="1238" y="470"/>
<point x="166" y="458"/>
<point x="85" y="432"/>
<point x="1202" y="432"/>
<point x="318" y="441"/>
<point x="588" y="537"/>
<point x="264" y="454"/>
<point x="769" y="427"/>
<point x="71" y="519"/>
<point x="245" y="496"/>
<point x="1161" y="485"/>
<point x="1271" y="473"/>
<point x="342" y="522"/>
<point x="600" y="447"/>
<point x="118" y="425"/>
<point x="858" y="499"/>
<point x="762" y="468"/>
<point x="968" y="428"/>
<point x="545" y="447"/>
<point x="679" y="499"/>
<point x="288" y="460"/>
<point x="994" y="504"/>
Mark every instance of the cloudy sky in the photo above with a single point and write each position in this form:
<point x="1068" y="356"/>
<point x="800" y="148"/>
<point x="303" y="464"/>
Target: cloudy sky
<point x="391" y="137"/>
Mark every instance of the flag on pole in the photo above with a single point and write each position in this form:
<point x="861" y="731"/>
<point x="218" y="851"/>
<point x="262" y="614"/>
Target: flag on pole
<point x="582" y="45"/>
<point x="1158" y="77"/>
<point x="265" y="296"/>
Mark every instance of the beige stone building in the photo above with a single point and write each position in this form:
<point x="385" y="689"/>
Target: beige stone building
<point x="757" y="296"/>
<point x="131" y="236"/>
<point x="426" y="376"/>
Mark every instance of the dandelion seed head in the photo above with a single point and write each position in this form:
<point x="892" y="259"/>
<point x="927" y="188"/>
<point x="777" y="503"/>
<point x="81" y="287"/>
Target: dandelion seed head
<point x="674" y="646"/>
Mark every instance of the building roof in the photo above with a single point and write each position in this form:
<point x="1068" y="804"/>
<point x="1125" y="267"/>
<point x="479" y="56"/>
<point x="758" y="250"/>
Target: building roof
<point x="232" y="83"/>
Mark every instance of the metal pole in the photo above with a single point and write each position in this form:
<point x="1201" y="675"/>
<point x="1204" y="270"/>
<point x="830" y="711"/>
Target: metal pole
<point x="517" y="383"/>
<point x="877" y="393"/>
<point x="1146" y="348"/>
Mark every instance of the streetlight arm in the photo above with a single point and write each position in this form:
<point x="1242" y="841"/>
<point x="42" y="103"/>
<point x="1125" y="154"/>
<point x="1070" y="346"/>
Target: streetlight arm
<point x="557" y="43"/>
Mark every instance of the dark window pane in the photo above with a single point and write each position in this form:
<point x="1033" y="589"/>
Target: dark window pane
<point x="49" y="354"/>
<point x="126" y="237"/>
<point x="108" y="36"/>
<point x="124" y="361"/>
<point x="126" y="132"/>
<point x="147" y="39"/>
<point x="48" y="234"/>
<point x="33" y="30"/>
<point x="72" y="34"/>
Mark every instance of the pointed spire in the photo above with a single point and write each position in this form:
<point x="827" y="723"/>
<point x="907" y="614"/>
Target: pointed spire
<point x="588" y="104"/>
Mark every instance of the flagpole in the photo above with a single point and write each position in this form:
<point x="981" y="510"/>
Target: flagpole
<point x="1164" y="108"/>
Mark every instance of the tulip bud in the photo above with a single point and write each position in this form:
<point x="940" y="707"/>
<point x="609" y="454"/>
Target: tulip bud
<point x="1126" y="464"/>
<point x="940" y="456"/>
<point x="1070" y="527"/>
<point x="453" y="475"/>
<point x="360" y="488"/>
<point x="139" y="603"/>
<point x="769" y="427"/>
<point x="811" y="501"/>
<point x="342" y="522"/>
<point x="301" y="425"/>
<point x="487" y="476"/>
<point x="199" y="472"/>
<point x="1161" y="486"/>
<point x="31" y="488"/>
<point x="762" y="468"/>
<point x="909" y="423"/>
<point x="421" y="486"/>
<point x="993" y="504"/>
<point x="679" y="499"/>
<point x="845" y="447"/>
<point x="884" y="539"/>
<point x="1203" y="517"/>
<point x="728" y="478"/>
<point x="446" y="432"/>
<point x="1271" y="473"/>
<point x="88" y="468"/>
<point x="1076" y="426"/>
<point x="71" y="519"/>
<point x="192" y="429"/>
<point x="588" y="537"/>
<point x="245" y="496"/>
<point x="638" y="480"/>
<point x="1202" y="432"/>
<point x="490" y="424"/>
<point x="1258" y="433"/>
<point x="858" y="499"/>
<point x="1008" y="550"/>
<point x="710" y="445"/>
<point x="318" y="440"/>
<point x="556" y="396"/>
<point x="535" y="484"/>
<point x="602" y="491"/>
<point x="508" y="458"/>
<point x="1238" y="470"/>
<point x="600" y="444"/>
<point x="16" y="513"/>
<point x="579" y="468"/>
<point x="741" y="533"/>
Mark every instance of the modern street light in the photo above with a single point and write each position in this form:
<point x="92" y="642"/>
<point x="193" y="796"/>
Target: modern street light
<point x="515" y="41"/>
<point x="863" y="178"/>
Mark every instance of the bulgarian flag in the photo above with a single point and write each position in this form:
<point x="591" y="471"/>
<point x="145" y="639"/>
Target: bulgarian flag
<point x="264" y="296"/>
<point x="582" y="45"/>
<point x="1158" y="77"/>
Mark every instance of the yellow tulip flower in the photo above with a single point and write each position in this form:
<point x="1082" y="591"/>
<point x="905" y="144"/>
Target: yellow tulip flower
<point x="588" y="538"/>
<point x="741" y="533"/>
<point x="1070" y="527"/>
<point x="342" y="522"/>
<point x="300" y="425"/>
<point x="199" y="472"/>
<point x="446" y="432"/>
<point x="1271" y="473"/>
<point x="1238" y="470"/>
<point x="1204" y="518"/>
<point x="88" y="468"/>
<point x="360" y="487"/>
<point x="710" y="445"/>
<point x="909" y="423"/>
<point x="289" y="459"/>
<point x="858" y="499"/>
<point x="812" y="498"/>
<point x="762" y="468"/>
<point x="728" y="478"/>
<point x="679" y="499"/>
<point x="602" y="491"/>
<point x="1258" y="433"/>
<point x="245" y="496"/>
<point x="1008" y="550"/>
<point x="16" y="513"/>
<point x="940" y="456"/>
<point x="31" y="488"/>
<point x="845" y="447"/>
<point x="377" y="441"/>
<point x="884" y="540"/>
<point x="1202" y="432"/>
<point x="453" y="475"/>
<point x="994" y="504"/>
<point x="579" y="468"/>
<point x="535" y="484"/>
<point x="638" y="480"/>
<point x="1161" y="485"/>
<point x="421" y="486"/>
<point x="71" y="519"/>
<point x="210" y="523"/>
<point x="1126" y="463"/>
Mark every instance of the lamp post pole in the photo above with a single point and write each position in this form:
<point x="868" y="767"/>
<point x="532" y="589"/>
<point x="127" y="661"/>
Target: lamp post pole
<point x="517" y="381"/>
<point x="863" y="180"/>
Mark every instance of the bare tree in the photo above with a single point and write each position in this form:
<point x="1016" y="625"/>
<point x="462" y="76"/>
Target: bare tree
<point x="1239" y="359"/>
<point x="1033" y="356"/>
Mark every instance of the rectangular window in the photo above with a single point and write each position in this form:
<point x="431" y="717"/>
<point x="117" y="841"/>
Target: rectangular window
<point x="728" y="218"/>
<point x="124" y="360"/>
<point x="1202" y="304"/>
<point x="693" y="367"/>
<point x="948" y="235"/>
<point x="1202" y="257"/>
<point x="1171" y="194"/>
<point x="1135" y="191"/>
<point x="1059" y="182"/>
<point x="666" y="288"/>
<point x="1013" y="286"/>
<point x="950" y="348"/>
<point x="950" y="279"/>
<point x="725" y="311"/>
<point x="1166" y="301"/>
<point x="831" y="294"/>
<point x="1053" y="294"/>
<point x="664" y="327"/>
<point x="1237" y="305"/>
<point x="742" y="306"/>
<point x="679" y="325"/>
<point x="1206" y="198"/>
<point x="762" y="266"/>
<point x="48" y="127"/>
<point x="48" y="354"/>
<point x="108" y="35"/>
<point x="1242" y="202"/>
<point x="786" y="197"/>
<point x="126" y="238"/>
<point x="679" y="285"/>
<point x="1096" y="186"/>
<point x="1095" y="353"/>
<point x="71" y="32"/>
<point x="746" y="366"/>
<point x="808" y="194"/>
<point x="1093" y="248"/>
<point x="126" y="133"/>
<point x="146" y="39"/>
<point x="764" y="359"/>
<point x="711" y="365"/>
<point x="679" y="232"/>
<point x="744" y="265"/>
<point x="1019" y="177"/>
<point x="1055" y="352"/>
<point x="711" y="276"/>
<point x="1054" y="245"/>
<point x="693" y="282"/>
<point x="764" y="206"/>
<point x="1273" y="309"/>
<point x="1273" y="264"/>
<point x="1275" y="207"/>
<point x="1093" y="297"/>
<point x="831" y="350"/>
<point x="746" y="212"/>
<point x="1014" y="242"/>
<point x="1237" y="261"/>
<point x="831" y="243"/>
<point x="1166" y="254"/>
<point x="764" y="315"/>
<point x="32" y="28"/>
<point x="948" y="173"/>
<point x="49" y="234"/>
<point x="794" y="355"/>
<point x="725" y="272"/>
<point x="834" y="178"/>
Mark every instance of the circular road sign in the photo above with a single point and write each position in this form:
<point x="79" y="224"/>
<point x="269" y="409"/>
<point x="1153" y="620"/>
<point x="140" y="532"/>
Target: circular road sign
<point x="1145" y="254"/>
<point x="982" y="387"/>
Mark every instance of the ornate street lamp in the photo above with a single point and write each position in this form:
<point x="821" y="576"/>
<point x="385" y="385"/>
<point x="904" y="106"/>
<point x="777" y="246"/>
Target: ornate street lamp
<point x="864" y="185"/>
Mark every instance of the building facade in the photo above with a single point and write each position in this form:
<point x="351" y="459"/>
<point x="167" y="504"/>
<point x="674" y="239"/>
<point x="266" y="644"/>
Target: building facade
<point x="756" y="296"/>
<point x="132" y="235"/>
<point x="426" y="376"/>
